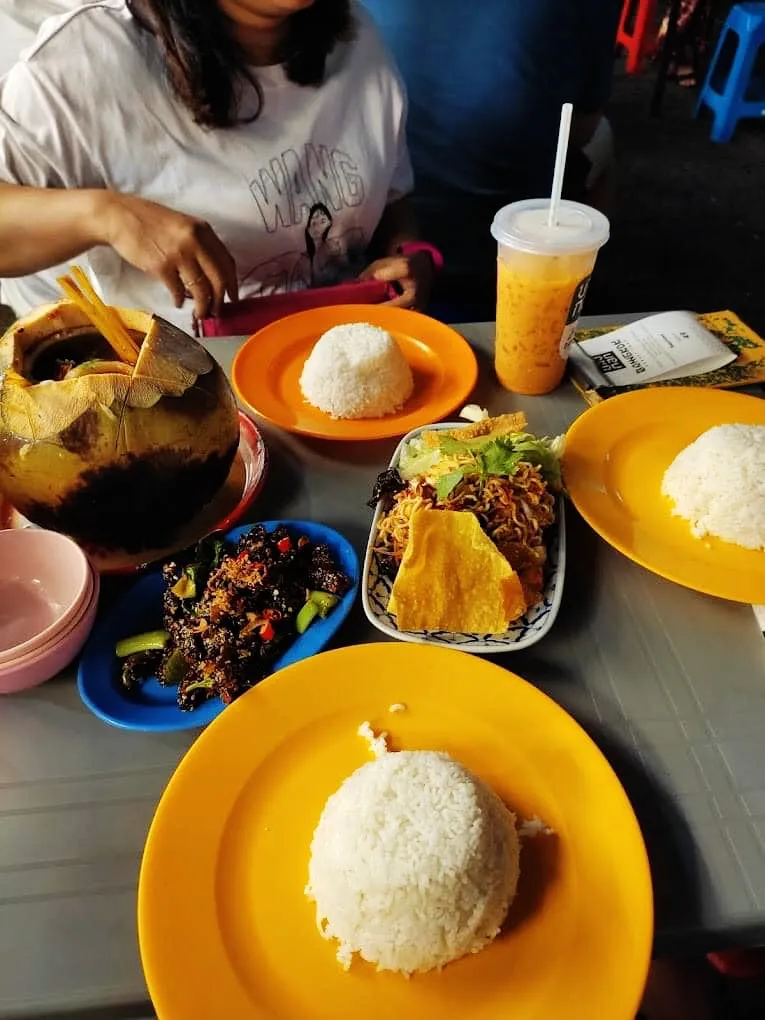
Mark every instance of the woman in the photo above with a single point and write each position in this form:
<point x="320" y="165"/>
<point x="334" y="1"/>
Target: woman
<point x="183" y="143"/>
<point x="486" y="94"/>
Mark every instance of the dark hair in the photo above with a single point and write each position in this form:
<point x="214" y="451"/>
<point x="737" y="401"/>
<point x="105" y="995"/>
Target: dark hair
<point x="207" y="67"/>
<point x="310" y="245"/>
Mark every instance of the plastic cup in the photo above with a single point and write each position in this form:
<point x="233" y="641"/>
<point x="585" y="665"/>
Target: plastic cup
<point x="542" y="276"/>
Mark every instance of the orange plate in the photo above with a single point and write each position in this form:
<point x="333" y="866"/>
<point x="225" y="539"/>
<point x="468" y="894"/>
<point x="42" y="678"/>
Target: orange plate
<point x="266" y="371"/>
<point x="615" y="459"/>
<point x="226" y="930"/>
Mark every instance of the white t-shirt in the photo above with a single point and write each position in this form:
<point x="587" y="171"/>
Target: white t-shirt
<point x="295" y="195"/>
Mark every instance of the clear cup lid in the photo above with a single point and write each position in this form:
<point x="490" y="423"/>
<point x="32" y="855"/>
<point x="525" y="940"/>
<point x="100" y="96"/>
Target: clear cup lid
<point x="523" y="226"/>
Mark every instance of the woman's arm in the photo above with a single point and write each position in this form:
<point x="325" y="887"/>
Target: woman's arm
<point x="414" y="273"/>
<point x="42" y="227"/>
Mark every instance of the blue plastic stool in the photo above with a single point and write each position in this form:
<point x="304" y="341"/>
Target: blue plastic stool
<point x="728" y="100"/>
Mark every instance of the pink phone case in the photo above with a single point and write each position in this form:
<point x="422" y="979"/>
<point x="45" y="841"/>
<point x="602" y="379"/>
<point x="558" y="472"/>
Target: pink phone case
<point x="242" y="318"/>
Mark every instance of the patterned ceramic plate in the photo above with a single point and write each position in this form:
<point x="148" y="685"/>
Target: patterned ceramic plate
<point x="376" y="588"/>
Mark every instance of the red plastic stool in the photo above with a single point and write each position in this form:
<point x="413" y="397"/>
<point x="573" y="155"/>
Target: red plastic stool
<point x="637" y="32"/>
<point x="739" y="963"/>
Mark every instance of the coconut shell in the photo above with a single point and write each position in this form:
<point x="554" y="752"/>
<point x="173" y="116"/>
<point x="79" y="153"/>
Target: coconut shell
<point x="119" y="457"/>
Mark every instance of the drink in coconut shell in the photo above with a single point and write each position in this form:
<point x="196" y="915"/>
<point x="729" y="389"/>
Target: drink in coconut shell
<point x="116" y="427"/>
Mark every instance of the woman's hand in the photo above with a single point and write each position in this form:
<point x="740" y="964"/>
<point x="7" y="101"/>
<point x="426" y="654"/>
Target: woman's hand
<point x="183" y="252"/>
<point x="414" y="274"/>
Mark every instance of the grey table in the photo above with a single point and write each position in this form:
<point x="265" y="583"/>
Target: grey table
<point x="670" y="684"/>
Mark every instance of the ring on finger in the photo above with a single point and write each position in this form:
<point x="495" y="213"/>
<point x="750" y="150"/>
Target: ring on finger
<point x="188" y="284"/>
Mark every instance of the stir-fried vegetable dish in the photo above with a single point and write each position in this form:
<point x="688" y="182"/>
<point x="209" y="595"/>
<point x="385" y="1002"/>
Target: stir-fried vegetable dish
<point x="230" y="611"/>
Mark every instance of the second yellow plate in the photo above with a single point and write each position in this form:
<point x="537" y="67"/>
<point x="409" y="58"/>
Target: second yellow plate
<point x="266" y="371"/>
<point x="615" y="459"/>
<point x="227" y="932"/>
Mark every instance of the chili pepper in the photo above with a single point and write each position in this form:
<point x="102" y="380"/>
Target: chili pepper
<point x="284" y="544"/>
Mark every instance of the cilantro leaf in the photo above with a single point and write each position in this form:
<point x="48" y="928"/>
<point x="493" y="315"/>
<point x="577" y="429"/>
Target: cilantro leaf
<point x="499" y="458"/>
<point x="501" y="455"/>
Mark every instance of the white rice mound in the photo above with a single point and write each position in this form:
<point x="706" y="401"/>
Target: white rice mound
<point x="414" y="863"/>
<point x="356" y="371"/>
<point x="718" y="484"/>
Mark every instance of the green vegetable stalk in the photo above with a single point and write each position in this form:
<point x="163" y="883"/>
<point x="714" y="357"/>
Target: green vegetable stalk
<point x="324" y="601"/>
<point x="321" y="604"/>
<point x="306" y="616"/>
<point x="175" y="668"/>
<point x="153" y="640"/>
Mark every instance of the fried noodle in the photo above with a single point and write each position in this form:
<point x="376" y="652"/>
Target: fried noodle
<point x="513" y="511"/>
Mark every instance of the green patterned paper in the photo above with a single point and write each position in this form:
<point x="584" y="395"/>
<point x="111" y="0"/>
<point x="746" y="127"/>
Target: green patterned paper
<point x="748" y="369"/>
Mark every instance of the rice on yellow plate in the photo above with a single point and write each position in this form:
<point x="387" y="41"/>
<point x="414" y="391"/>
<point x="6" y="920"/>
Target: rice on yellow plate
<point x="414" y="862"/>
<point x="717" y="484"/>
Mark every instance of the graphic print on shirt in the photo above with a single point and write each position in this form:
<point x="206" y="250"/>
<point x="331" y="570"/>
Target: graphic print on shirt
<point x="314" y="192"/>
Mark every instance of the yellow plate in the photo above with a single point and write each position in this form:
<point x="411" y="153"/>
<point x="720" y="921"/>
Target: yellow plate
<point x="266" y="371"/>
<point x="225" y="928"/>
<point x="615" y="459"/>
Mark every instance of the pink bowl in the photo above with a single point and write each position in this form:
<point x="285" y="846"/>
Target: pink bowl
<point x="55" y="639"/>
<point x="45" y="581"/>
<point x="20" y="654"/>
<point x="42" y="664"/>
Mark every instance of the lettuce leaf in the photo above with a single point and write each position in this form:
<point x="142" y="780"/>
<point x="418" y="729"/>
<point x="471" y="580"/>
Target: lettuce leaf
<point x="416" y="461"/>
<point x="447" y="483"/>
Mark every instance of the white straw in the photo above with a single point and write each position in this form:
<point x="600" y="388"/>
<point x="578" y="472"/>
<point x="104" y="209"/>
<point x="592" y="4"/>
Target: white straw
<point x="560" y="163"/>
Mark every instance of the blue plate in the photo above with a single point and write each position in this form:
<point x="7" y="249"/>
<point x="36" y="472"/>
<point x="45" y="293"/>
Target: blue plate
<point x="156" y="708"/>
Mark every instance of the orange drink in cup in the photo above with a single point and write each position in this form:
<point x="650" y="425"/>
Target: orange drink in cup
<point x="542" y="275"/>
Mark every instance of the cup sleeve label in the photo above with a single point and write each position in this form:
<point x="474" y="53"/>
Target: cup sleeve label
<point x="574" y="311"/>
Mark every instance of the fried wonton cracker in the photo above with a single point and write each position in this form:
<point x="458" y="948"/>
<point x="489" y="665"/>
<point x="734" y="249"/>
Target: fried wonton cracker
<point x="452" y="577"/>
<point x="502" y="425"/>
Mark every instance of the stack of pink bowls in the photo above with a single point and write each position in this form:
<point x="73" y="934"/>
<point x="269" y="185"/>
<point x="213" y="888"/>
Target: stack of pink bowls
<point x="48" y="602"/>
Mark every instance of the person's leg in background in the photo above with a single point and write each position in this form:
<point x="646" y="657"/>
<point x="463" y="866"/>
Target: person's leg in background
<point x="692" y="38"/>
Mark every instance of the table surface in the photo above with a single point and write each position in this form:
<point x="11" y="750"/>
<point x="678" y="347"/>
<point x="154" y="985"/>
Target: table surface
<point x="670" y="684"/>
